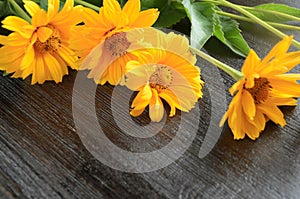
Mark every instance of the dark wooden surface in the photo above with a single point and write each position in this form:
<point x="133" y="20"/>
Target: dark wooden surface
<point x="42" y="156"/>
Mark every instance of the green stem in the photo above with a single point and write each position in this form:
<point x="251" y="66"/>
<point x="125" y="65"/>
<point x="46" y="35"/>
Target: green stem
<point x="242" y="18"/>
<point x="235" y="74"/>
<point x="287" y="16"/>
<point x="257" y="20"/>
<point x="86" y="4"/>
<point x="20" y="12"/>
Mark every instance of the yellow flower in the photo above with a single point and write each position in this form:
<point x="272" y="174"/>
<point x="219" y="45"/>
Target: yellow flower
<point x="167" y="72"/>
<point x="40" y="48"/>
<point x="105" y="30"/>
<point x="262" y="89"/>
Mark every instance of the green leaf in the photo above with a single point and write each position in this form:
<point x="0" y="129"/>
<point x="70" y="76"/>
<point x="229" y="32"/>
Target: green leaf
<point x="98" y="3"/>
<point x="170" y="12"/>
<point x="202" y="17"/>
<point x="227" y="31"/>
<point x="6" y="9"/>
<point x="170" y="15"/>
<point x="273" y="8"/>
<point x="160" y="4"/>
<point x="122" y="2"/>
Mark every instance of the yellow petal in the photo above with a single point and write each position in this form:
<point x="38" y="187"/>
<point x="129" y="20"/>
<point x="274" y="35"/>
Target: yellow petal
<point x="285" y="86"/>
<point x="54" y="67"/>
<point x="143" y="98"/>
<point x="40" y="19"/>
<point x="136" y="112"/>
<point x="68" y="6"/>
<point x="14" y="23"/>
<point x="171" y="101"/>
<point x="136" y="78"/>
<point x="156" y="107"/>
<point x="31" y="7"/>
<point x="68" y="56"/>
<point x="251" y="130"/>
<point x="132" y="8"/>
<point x="273" y="112"/>
<point x="259" y="121"/>
<point x="280" y="48"/>
<point x="283" y="101"/>
<point x="146" y="18"/>
<point x="112" y="10"/>
<point x="28" y="58"/>
<point x="44" y="33"/>
<point x="40" y="70"/>
<point x="251" y="62"/>
<point x="248" y="104"/>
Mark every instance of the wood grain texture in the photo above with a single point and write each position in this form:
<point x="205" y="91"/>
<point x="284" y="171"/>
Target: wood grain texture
<point x="42" y="156"/>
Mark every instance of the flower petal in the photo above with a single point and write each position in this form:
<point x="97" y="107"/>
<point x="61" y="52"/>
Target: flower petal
<point x="156" y="107"/>
<point x="44" y="33"/>
<point x="248" y="104"/>
<point x="31" y="7"/>
<point x="146" y="18"/>
<point x="143" y="98"/>
<point x="132" y="9"/>
<point x="280" y="48"/>
<point x="273" y="112"/>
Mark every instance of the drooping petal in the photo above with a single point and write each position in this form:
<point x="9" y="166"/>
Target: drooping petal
<point x="156" y="107"/>
<point x="143" y="98"/>
<point x="248" y="104"/>
<point x="273" y="112"/>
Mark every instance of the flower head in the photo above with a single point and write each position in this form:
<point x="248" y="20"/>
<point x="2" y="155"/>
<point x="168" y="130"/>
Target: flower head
<point x="263" y="88"/>
<point x="106" y="31"/>
<point x="40" y="48"/>
<point x="164" y="72"/>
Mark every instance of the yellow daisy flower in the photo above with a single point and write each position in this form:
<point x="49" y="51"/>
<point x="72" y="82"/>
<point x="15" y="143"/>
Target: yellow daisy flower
<point x="167" y="72"/>
<point x="40" y="48"/>
<point x="106" y="31"/>
<point x="107" y="61"/>
<point x="262" y="89"/>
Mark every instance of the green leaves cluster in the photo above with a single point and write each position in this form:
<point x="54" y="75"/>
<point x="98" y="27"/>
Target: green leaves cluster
<point x="207" y="23"/>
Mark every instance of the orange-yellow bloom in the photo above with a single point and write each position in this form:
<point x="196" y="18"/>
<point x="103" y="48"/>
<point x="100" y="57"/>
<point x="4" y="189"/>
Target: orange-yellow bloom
<point x="106" y="31"/>
<point x="40" y="48"/>
<point x="263" y="88"/>
<point x="164" y="72"/>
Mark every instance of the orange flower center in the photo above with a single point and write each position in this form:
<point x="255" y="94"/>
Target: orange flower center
<point x="51" y="44"/>
<point x="162" y="78"/>
<point x="260" y="90"/>
<point x="117" y="44"/>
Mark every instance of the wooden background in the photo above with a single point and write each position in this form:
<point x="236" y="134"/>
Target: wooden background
<point x="42" y="156"/>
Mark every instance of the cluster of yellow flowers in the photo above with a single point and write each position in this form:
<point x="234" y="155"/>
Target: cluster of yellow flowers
<point x="118" y="46"/>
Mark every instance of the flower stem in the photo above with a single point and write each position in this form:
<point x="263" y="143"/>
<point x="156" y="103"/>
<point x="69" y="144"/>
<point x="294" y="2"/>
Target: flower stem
<point x="235" y="74"/>
<point x="257" y="20"/>
<point x="86" y="4"/>
<point x="19" y="11"/>
<point x="242" y="18"/>
<point x="287" y="16"/>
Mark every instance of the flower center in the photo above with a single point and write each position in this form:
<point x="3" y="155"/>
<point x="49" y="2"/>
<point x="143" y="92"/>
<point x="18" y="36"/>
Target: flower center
<point x="161" y="78"/>
<point x="260" y="90"/>
<point x="117" y="44"/>
<point x="51" y="44"/>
